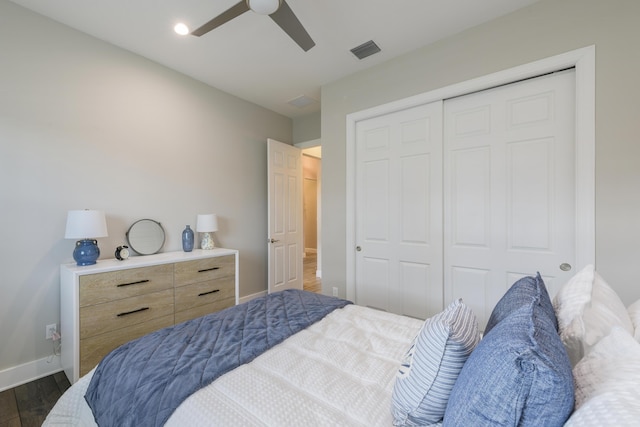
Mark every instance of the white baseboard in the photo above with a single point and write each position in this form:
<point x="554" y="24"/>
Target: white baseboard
<point x="27" y="372"/>
<point x="252" y="296"/>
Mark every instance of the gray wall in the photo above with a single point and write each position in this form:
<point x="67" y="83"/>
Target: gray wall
<point x="84" y="124"/>
<point x="306" y="128"/>
<point x="544" y="29"/>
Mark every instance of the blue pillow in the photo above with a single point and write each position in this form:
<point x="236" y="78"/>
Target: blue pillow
<point x="520" y="294"/>
<point x="519" y="375"/>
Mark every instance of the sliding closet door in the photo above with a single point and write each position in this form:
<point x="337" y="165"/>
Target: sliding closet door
<point x="398" y="211"/>
<point x="509" y="189"/>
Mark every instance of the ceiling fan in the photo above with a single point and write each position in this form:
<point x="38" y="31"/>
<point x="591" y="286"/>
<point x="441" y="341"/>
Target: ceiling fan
<point x="278" y="10"/>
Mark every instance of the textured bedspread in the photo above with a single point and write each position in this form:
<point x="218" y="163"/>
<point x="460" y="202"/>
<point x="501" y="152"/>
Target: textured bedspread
<point x="142" y="382"/>
<point x="339" y="371"/>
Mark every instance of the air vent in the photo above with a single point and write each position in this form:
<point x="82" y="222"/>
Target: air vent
<point x="365" y="49"/>
<point x="302" y="101"/>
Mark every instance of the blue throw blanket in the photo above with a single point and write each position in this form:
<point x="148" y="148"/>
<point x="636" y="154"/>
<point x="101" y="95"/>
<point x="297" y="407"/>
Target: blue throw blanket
<point x="142" y="382"/>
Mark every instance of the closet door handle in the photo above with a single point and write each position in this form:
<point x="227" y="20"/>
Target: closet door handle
<point x="565" y="266"/>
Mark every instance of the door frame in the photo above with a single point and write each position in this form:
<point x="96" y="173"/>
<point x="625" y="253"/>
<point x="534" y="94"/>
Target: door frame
<point x="583" y="60"/>
<point x="303" y="146"/>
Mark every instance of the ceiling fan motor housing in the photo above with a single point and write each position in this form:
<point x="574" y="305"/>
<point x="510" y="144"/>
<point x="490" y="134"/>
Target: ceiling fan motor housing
<point x="263" y="7"/>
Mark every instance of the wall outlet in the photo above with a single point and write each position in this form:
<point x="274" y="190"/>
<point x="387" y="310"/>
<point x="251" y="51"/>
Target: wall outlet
<point x="50" y="330"/>
<point x="335" y="291"/>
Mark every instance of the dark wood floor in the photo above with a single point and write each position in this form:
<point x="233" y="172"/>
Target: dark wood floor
<point x="28" y="405"/>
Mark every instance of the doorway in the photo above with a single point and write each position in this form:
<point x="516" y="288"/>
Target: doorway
<point x="311" y="171"/>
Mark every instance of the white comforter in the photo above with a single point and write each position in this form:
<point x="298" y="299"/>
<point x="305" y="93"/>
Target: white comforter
<point x="339" y="371"/>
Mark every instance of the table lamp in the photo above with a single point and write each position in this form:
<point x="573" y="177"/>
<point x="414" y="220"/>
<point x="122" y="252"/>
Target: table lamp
<point x="86" y="225"/>
<point x="207" y="224"/>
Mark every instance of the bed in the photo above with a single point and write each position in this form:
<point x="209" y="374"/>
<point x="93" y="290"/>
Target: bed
<point x="572" y="361"/>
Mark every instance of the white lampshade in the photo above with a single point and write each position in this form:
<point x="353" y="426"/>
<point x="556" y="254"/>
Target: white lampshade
<point x="263" y="7"/>
<point x="85" y="224"/>
<point x="207" y="223"/>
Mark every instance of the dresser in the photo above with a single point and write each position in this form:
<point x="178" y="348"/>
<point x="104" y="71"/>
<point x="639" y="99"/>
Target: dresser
<point x="105" y="305"/>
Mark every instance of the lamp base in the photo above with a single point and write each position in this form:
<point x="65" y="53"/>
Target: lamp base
<point x="207" y="241"/>
<point x="86" y="252"/>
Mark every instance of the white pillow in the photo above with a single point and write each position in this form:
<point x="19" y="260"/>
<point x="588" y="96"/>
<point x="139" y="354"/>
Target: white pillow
<point x="587" y="308"/>
<point x="619" y="409"/>
<point x="571" y="298"/>
<point x="634" y="314"/>
<point x="432" y="364"/>
<point x="607" y="383"/>
<point x="612" y="364"/>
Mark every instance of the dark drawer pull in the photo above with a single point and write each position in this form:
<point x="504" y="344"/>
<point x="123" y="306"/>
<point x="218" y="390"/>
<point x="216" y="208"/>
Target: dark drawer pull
<point x="133" y="311"/>
<point x="208" y="269"/>
<point x="210" y="292"/>
<point x="133" y="283"/>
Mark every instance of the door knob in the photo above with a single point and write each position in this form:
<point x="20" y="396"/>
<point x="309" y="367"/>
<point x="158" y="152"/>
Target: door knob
<point x="273" y="240"/>
<point x="358" y="248"/>
<point x="565" y="266"/>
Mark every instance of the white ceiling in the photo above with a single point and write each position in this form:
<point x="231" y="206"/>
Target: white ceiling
<point x="252" y="58"/>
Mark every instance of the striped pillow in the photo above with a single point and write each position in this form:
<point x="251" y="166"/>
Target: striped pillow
<point x="432" y="364"/>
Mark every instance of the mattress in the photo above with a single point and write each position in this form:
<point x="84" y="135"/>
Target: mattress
<point x="339" y="371"/>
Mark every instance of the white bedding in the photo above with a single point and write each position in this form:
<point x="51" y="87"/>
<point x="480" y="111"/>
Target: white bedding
<point x="339" y="371"/>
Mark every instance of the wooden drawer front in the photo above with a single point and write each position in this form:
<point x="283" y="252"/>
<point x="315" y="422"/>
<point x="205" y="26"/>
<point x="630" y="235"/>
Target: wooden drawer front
<point x="93" y="349"/>
<point x="103" y="287"/>
<point x="204" y="293"/>
<point x="199" y="270"/>
<point x="201" y="310"/>
<point x="101" y="318"/>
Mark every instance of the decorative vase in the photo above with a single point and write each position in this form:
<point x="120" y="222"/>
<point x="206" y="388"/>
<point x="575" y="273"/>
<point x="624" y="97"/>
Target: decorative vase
<point x="187" y="239"/>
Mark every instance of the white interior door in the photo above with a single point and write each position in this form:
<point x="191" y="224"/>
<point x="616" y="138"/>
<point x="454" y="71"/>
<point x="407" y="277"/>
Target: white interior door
<point x="509" y="188"/>
<point x="398" y="208"/>
<point x="285" y="238"/>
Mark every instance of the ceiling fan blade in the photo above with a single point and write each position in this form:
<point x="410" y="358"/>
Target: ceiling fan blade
<point x="288" y="21"/>
<point x="225" y="16"/>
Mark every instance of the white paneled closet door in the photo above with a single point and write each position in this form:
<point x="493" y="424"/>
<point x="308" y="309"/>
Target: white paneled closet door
<point x="398" y="210"/>
<point x="509" y="189"/>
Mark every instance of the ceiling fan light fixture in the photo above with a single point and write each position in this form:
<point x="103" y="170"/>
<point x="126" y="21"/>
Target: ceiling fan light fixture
<point x="263" y="7"/>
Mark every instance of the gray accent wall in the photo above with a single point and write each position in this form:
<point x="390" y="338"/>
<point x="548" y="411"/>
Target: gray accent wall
<point x="547" y="28"/>
<point x="84" y="124"/>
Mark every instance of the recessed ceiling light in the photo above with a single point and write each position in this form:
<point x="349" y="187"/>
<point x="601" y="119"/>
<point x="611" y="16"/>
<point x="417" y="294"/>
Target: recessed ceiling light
<point x="181" y="29"/>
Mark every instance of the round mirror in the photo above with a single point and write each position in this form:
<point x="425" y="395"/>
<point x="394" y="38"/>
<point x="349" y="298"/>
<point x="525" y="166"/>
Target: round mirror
<point x="146" y="236"/>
